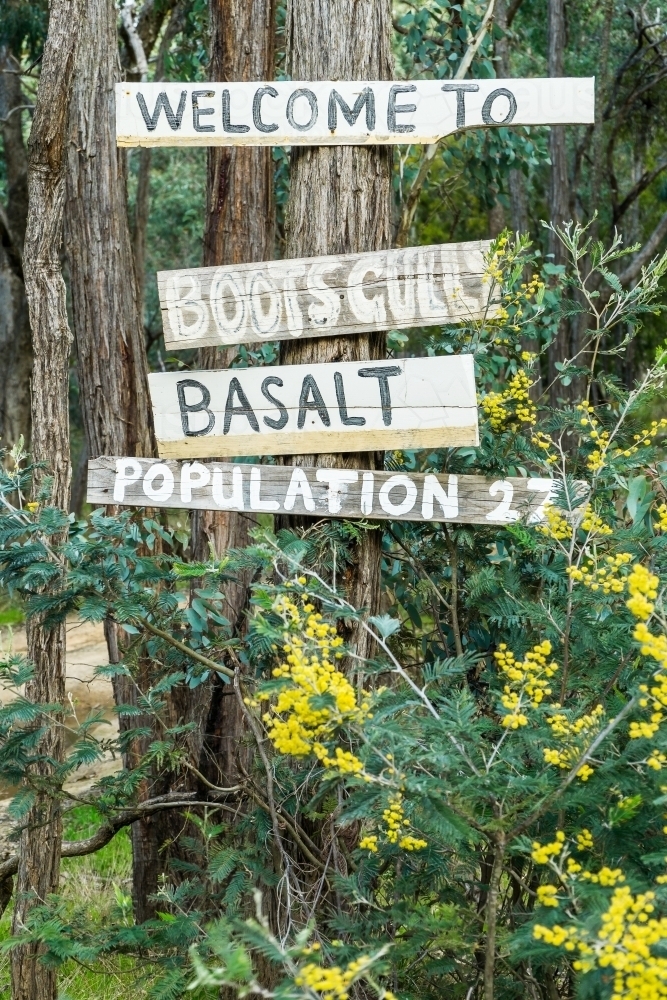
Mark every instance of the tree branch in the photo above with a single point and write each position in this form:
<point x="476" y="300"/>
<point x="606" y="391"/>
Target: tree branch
<point x="645" y="254"/>
<point x="410" y="204"/>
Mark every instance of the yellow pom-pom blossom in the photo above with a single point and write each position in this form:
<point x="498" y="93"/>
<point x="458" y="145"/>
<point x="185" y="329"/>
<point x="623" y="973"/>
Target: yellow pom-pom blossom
<point x="543" y="853"/>
<point x="584" y="840"/>
<point x="527" y="681"/>
<point x="512" y="407"/>
<point x="623" y="945"/>
<point x="555" y="525"/>
<point x="331" y="983"/>
<point x="547" y="895"/>
<point x="574" y="737"/>
<point x="661" y="511"/>
<point x="395" y="829"/>
<point x="643" y="589"/>
<point x="607" y="577"/>
<point x="298" y="724"/>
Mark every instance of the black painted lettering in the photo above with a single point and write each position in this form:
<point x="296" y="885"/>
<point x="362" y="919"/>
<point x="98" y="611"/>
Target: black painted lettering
<point x="174" y="119"/>
<point x="382" y="375"/>
<point x="342" y="404"/>
<point x="261" y="93"/>
<point x="226" y="116"/>
<point x="488" y="104"/>
<point x="308" y="389"/>
<point x="401" y="109"/>
<point x="243" y="410"/>
<point x="312" y="101"/>
<point x="197" y="112"/>
<point x="460" y="89"/>
<point x="284" y="416"/>
<point x="188" y="408"/>
<point x="366" y="97"/>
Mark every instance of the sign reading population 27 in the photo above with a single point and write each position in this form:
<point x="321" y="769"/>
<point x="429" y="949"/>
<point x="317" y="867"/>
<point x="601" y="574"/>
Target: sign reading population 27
<point x="340" y="112"/>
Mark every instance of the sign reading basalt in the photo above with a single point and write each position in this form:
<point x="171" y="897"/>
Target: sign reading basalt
<point x="345" y="493"/>
<point x="308" y="409"/>
<point x="340" y="113"/>
<point x="322" y="296"/>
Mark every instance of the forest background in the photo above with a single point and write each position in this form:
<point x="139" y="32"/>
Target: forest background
<point x="445" y="824"/>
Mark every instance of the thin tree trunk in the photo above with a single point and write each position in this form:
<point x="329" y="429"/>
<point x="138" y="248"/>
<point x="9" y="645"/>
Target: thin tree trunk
<point x="105" y="299"/>
<point x="15" y="337"/>
<point x="340" y="202"/>
<point x="559" y="195"/>
<point x="39" y="864"/>
<point x="516" y="181"/>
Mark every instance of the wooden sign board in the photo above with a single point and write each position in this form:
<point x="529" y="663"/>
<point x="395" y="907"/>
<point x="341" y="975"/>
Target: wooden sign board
<point x="340" y="113"/>
<point x="344" y="493"/>
<point x="322" y="296"/>
<point x="311" y="409"/>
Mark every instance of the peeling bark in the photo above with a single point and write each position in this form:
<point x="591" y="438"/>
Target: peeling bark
<point x="39" y="848"/>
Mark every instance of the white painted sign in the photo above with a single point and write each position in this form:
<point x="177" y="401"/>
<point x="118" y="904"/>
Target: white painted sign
<point x="340" y="113"/>
<point x="345" y="493"/>
<point x="322" y="296"/>
<point x="320" y="408"/>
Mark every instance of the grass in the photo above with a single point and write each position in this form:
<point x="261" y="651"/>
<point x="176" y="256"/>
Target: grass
<point x="92" y="885"/>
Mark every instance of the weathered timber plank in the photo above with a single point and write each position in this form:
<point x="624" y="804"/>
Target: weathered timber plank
<point x="323" y="296"/>
<point x="292" y="113"/>
<point x="345" y="493"/>
<point x="305" y="409"/>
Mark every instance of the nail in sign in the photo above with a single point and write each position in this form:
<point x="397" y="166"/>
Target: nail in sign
<point x="345" y="493"/>
<point x="340" y="113"/>
<point x="310" y="409"/>
<point x="323" y="296"/>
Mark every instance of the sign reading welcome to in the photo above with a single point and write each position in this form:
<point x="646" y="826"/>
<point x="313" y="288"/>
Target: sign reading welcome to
<point x="304" y="409"/>
<point x="340" y="113"/>
<point x="322" y="296"/>
<point x="345" y="493"/>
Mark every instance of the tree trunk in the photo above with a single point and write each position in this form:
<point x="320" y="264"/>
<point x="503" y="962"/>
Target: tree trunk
<point x="39" y="863"/>
<point x="340" y="202"/>
<point x="15" y="337"/>
<point x="559" y="195"/>
<point x="240" y="228"/>
<point x="106" y="305"/>
<point x="516" y="181"/>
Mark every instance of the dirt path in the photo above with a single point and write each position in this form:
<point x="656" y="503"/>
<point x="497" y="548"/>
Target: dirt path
<point x="86" y="650"/>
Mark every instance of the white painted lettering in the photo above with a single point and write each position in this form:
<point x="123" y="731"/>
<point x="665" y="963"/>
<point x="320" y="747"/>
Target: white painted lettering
<point x="191" y="303"/>
<point x="235" y="500"/>
<point x="326" y="308"/>
<point x="448" y="499"/>
<point x="367" y="493"/>
<point x="338" y="481"/>
<point x="291" y="297"/>
<point x="299" y="484"/>
<point x="430" y="306"/>
<point x="163" y="492"/>
<point x="406" y="504"/>
<point x="262" y="292"/>
<point x="128" y="470"/>
<point x="366" y="309"/>
<point x="193" y="475"/>
<point x="256" y="502"/>
<point x="540" y="486"/>
<point x="503" y="512"/>
<point x="402" y="306"/>
<point x="228" y="326"/>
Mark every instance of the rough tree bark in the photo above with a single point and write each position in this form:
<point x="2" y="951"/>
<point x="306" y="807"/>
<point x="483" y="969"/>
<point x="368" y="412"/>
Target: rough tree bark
<point x="240" y="228"/>
<point x="15" y="337"/>
<point x="559" y="193"/>
<point x="340" y="202"/>
<point x="106" y="309"/>
<point x="39" y="865"/>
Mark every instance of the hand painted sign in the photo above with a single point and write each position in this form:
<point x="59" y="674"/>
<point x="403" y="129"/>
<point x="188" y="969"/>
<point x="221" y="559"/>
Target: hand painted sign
<point x="321" y="296"/>
<point x="309" y="409"/>
<point x="340" y="113"/>
<point x="345" y="493"/>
